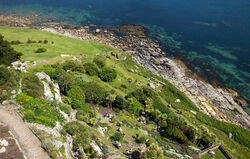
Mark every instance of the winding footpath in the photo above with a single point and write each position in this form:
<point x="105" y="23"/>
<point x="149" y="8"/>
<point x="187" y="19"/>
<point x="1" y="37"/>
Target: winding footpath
<point x="28" y="142"/>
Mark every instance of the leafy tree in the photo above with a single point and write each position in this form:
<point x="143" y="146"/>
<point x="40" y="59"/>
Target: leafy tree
<point x="135" y="106"/>
<point x="7" y="53"/>
<point x="153" y="152"/>
<point x="120" y="102"/>
<point x="77" y="96"/>
<point x="107" y="74"/>
<point x="65" y="81"/>
<point x="4" y="75"/>
<point x="99" y="61"/>
<point x="73" y="65"/>
<point x="93" y="92"/>
<point x="91" y="69"/>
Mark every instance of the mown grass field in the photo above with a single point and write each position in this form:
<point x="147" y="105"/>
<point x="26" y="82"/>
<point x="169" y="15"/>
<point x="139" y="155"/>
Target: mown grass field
<point x="62" y="44"/>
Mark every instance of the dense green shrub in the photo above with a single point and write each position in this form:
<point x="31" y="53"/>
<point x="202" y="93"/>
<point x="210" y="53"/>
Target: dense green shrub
<point x="40" y="50"/>
<point x="157" y="104"/>
<point x="4" y="75"/>
<point x="67" y="100"/>
<point x="117" y="136"/>
<point x="37" y="110"/>
<point x="32" y="86"/>
<point x="7" y="53"/>
<point x="66" y="108"/>
<point x="135" y="106"/>
<point x="107" y="74"/>
<point x="86" y="115"/>
<point x="65" y="81"/>
<point x="77" y="96"/>
<point x="81" y="139"/>
<point x="99" y="61"/>
<point x="91" y="69"/>
<point x="74" y="128"/>
<point x="153" y="152"/>
<point x="73" y="65"/>
<point x="93" y="92"/>
<point x="120" y="102"/>
<point x="142" y="94"/>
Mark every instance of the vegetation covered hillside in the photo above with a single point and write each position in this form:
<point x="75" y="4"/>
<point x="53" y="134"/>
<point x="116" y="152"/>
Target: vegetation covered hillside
<point x="111" y="106"/>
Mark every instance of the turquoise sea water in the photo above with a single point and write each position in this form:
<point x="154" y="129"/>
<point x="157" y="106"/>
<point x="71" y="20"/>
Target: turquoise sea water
<point x="212" y="36"/>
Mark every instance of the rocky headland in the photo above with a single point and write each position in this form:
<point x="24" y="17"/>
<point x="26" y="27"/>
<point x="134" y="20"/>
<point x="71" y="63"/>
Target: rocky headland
<point x="222" y="103"/>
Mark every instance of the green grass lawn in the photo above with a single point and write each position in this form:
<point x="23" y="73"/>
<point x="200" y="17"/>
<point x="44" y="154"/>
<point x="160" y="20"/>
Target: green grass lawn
<point x="62" y="44"/>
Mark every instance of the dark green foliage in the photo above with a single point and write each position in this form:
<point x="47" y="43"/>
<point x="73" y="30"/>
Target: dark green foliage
<point x="45" y="41"/>
<point x="86" y="114"/>
<point x="77" y="96"/>
<point x="157" y="104"/>
<point x="7" y="53"/>
<point x="80" y="133"/>
<point x="66" y="108"/>
<point x="32" y="86"/>
<point x="240" y="134"/>
<point x="143" y="93"/>
<point x="136" y="154"/>
<point x="99" y="61"/>
<point x="93" y="92"/>
<point x="75" y="128"/>
<point x="4" y="75"/>
<point x="73" y="65"/>
<point x="120" y="102"/>
<point x="107" y="74"/>
<point x="135" y="106"/>
<point x="40" y="50"/>
<point x="37" y="110"/>
<point x="117" y="136"/>
<point x="65" y="81"/>
<point x="15" y="42"/>
<point x="91" y="69"/>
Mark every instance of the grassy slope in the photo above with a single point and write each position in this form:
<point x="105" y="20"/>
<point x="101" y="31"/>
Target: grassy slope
<point x="62" y="44"/>
<point x="65" y="45"/>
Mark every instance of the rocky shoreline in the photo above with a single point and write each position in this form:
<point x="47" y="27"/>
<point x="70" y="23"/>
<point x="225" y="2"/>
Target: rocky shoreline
<point x="132" y="39"/>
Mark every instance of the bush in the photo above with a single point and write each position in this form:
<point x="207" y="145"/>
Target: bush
<point x="120" y="102"/>
<point x="91" y="69"/>
<point x="7" y="53"/>
<point x="153" y="151"/>
<point x="67" y="100"/>
<point x="99" y="61"/>
<point x="93" y="92"/>
<point x="74" y="128"/>
<point x="66" y="108"/>
<point x="15" y="42"/>
<point x="157" y="104"/>
<point x="117" y="136"/>
<point x="86" y="116"/>
<point x="107" y="74"/>
<point x="37" y="110"/>
<point x="32" y="86"/>
<point x="65" y="81"/>
<point x="135" y="106"/>
<point x="40" y="50"/>
<point x="77" y="96"/>
<point x="73" y="66"/>
<point x="4" y="75"/>
<point x="45" y="41"/>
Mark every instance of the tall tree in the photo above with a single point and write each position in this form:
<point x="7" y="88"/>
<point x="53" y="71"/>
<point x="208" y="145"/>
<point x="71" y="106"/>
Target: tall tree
<point x="7" y="53"/>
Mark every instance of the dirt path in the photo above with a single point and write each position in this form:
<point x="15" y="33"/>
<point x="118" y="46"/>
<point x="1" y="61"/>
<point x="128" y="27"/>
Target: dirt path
<point x="27" y="140"/>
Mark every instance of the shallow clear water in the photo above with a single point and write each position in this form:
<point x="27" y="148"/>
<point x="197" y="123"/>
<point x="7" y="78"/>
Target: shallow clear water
<point x="212" y="36"/>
